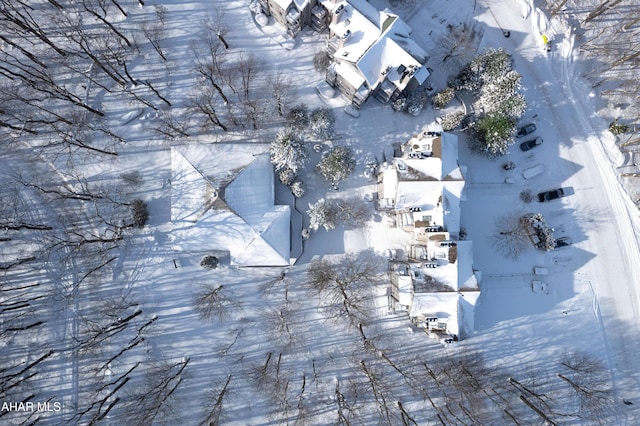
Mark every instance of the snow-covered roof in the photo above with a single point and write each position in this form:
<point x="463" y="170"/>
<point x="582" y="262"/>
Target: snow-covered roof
<point x="466" y="277"/>
<point x="283" y="4"/>
<point x="363" y="32"/>
<point x="377" y="42"/>
<point x="350" y="74"/>
<point x="389" y="186"/>
<point x="367" y="10"/>
<point x="443" y="305"/>
<point x="456" y="309"/>
<point x="383" y="54"/>
<point x="405" y="289"/>
<point x="426" y="195"/>
<point x="444" y="160"/>
<point x="229" y="207"/>
<point x="452" y="194"/>
<point x="449" y="155"/>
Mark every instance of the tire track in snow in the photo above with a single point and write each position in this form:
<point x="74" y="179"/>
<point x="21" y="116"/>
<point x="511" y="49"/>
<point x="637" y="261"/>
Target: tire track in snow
<point x="620" y="355"/>
<point x="617" y="253"/>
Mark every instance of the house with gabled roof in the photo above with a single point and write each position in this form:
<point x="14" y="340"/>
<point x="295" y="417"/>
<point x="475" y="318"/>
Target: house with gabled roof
<point x="222" y="199"/>
<point x="372" y="52"/>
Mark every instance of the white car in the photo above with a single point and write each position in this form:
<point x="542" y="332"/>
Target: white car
<point x="534" y="171"/>
<point x="539" y="287"/>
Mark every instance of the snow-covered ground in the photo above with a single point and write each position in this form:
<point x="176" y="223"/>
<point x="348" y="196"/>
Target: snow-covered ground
<point x="592" y="303"/>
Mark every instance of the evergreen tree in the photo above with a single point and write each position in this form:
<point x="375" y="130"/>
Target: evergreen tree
<point x="337" y="164"/>
<point x="442" y="98"/>
<point x="322" y="214"/>
<point x="288" y="151"/>
<point x="494" y="134"/>
<point x="322" y="121"/>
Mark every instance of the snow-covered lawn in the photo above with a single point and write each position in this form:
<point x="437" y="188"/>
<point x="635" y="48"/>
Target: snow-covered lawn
<point x="280" y="350"/>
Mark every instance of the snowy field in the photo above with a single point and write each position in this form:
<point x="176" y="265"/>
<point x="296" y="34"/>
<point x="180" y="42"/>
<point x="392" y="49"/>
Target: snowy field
<point x="280" y="351"/>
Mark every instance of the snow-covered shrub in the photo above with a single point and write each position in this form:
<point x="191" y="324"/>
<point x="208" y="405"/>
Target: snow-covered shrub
<point x="287" y="176"/>
<point x="139" y="213"/>
<point x="490" y="77"/>
<point x="298" y="116"/>
<point x="209" y="262"/>
<point x="322" y="121"/>
<point x="298" y="189"/>
<point x="322" y="214"/>
<point x="442" y="98"/>
<point x="337" y="164"/>
<point x="491" y="64"/>
<point x="526" y="195"/>
<point x="485" y="68"/>
<point x="452" y="120"/>
<point x="416" y="101"/>
<point x="500" y="94"/>
<point x="493" y="134"/>
<point x="537" y="225"/>
<point x="399" y="104"/>
<point x="617" y="128"/>
<point x="288" y="151"/>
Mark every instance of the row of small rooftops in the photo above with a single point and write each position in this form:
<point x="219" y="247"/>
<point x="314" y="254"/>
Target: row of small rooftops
<point x="423" y="186"/>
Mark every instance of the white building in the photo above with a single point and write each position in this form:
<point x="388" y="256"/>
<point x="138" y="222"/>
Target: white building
<point x="222" y="199"/>
<point x="372" y="52"/>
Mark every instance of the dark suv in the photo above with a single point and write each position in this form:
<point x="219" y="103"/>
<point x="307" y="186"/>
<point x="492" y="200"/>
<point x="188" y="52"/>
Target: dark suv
<point x="551" y="195"/>
<point x="525" y="130"/>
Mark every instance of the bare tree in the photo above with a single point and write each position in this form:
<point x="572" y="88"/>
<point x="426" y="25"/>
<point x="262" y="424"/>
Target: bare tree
<point x="217" y="395"/>
<point x="346" y="285"/>
<point x="591" y="384"/>
<point x="155" y="400"/>
<point x="212" y="302"/>
<point x="353" y="211"/>
<point x="510" y="238"/>
<point x="154" y="32"/>
<point x="282" y="91"/>
<point x="205" y="104"/>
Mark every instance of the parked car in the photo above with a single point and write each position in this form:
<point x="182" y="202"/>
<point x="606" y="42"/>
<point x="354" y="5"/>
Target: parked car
<point x="551" y="195"/>
<point x="539" y="287"/>
<point x="563" y="242"/>
<point x="534" y="171"/>
<point x="525" y="130"/>
<point x="540" y="270"/>
<point x="526" y="146"/>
